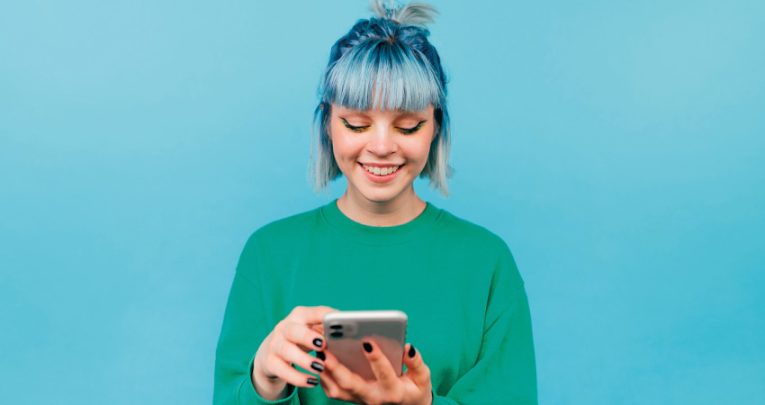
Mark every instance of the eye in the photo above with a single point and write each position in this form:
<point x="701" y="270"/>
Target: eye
<point x="408" y="131"/>
<point x="352" y="127"/>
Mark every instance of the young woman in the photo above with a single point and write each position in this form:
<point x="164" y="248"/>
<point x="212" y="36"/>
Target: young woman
<point x="382" y="121"/>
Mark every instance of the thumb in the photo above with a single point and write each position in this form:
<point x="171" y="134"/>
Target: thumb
<point x="416" y="369"/>
<point x="312" y="315"/>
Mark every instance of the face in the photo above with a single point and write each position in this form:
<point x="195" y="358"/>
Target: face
<point x="381" y="153"/>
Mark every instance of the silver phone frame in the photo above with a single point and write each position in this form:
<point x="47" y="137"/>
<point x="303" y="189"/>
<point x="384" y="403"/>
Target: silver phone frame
<point x="389" y="330"/>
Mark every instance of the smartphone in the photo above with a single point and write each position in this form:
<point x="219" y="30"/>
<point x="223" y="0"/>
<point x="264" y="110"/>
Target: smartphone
<point x="344" y="332"/>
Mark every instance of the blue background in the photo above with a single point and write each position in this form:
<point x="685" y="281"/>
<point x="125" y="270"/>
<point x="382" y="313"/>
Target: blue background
<point x="617" y="146"/>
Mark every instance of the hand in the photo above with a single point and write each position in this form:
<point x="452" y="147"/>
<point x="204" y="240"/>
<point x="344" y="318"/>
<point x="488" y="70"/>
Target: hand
<point x="412" y="388"/>
<point x="289" y="343"/>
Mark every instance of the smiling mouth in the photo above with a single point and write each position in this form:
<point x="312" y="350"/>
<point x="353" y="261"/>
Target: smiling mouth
<point x="380" y="171"/>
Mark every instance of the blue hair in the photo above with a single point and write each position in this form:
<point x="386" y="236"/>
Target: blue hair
<point x="387" y="63"/>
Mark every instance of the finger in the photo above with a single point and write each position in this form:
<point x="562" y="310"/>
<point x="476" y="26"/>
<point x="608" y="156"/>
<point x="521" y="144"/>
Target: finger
<point x="345" y="379"/>
<point x="300" y="334"/>
<point x="331" y="389"/>
<point x="292" y="354"/>
<point x="416" y="369"/>
<point x="318" y="327"/>
<point x="309" y="315"/>
<point x="287" y="373"/>
<point x="380" y="364"/>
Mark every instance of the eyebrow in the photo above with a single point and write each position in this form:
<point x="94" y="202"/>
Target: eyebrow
<point x="403" y="114"/>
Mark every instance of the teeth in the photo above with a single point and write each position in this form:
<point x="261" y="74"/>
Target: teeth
<point x="384" y="171"/>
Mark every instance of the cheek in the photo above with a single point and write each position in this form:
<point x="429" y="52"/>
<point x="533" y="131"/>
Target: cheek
<point x="420" y="148"/>
<point x="344" y="148"/>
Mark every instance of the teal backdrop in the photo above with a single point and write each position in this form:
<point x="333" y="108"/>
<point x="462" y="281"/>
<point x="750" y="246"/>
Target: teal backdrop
<point x="617" y="146"/>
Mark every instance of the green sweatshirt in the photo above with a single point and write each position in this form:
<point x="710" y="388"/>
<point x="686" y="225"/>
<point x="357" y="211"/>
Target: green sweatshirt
<point x="457" y="282"/>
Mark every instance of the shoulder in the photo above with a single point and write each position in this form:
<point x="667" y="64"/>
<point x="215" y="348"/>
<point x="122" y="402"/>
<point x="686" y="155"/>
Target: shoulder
<point x="291" y="224"/>
<point x="470" y="233"/>
<point x="487" y="251"/>
<point x="287" y="231"/>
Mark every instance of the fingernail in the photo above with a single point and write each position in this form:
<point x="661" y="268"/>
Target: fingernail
<point x="367" y="347"/>
<point x="318" y="342"/>
<point x="317" y="366"/>
<point x="321" y="355"/>
<point x="312" y="381"/>
<point x="412" y="352"/>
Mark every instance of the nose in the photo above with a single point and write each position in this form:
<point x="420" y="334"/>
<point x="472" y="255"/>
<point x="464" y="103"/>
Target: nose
<point x="382" y="142"/>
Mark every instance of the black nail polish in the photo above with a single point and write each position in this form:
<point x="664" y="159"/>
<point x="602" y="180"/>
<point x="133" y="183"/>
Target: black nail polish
<point x="367" y="347"/>
<point x="317" y="366"/>
<point x="312" y="381"/>
<point x="318" y="342"/>
<point x="321" y="355"/>
<point x="412" y="352"/>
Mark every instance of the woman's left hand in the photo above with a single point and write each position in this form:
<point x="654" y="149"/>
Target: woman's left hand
<point x="412" y="388"/>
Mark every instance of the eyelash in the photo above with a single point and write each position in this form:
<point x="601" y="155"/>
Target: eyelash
<point x="405" y="131"/>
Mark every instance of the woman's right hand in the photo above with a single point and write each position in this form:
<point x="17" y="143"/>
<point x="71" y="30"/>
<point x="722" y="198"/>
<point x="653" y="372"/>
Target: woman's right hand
<point x="289" y="343"/>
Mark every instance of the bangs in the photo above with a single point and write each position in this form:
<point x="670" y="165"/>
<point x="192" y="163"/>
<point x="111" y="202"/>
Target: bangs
<point x="385" y="76"/>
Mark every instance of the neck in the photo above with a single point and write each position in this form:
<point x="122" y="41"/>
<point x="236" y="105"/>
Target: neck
<point x="399" y="210"/>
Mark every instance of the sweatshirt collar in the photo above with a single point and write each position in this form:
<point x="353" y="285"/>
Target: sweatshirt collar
<point x="380" y="234"/>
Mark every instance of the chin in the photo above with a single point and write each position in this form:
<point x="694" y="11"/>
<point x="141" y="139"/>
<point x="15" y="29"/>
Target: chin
<point x="379" y="195"/>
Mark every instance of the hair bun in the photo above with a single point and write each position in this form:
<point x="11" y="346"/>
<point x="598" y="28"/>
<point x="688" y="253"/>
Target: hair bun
<point x="414" y="13"/>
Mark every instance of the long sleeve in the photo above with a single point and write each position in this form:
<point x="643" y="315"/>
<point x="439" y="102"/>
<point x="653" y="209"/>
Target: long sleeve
<point x="244" y="328"/>
<point x="505" y="372"/>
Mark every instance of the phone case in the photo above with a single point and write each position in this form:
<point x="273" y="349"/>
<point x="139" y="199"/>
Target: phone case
<point x="344" y="332"/>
